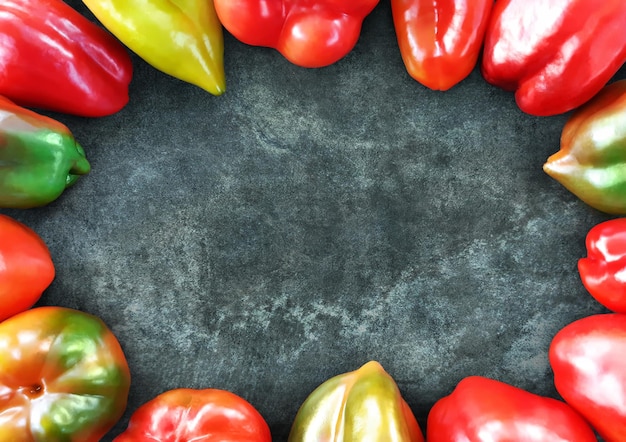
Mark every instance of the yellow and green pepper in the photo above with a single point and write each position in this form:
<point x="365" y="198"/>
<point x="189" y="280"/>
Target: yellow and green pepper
<point x="182" y="38"/>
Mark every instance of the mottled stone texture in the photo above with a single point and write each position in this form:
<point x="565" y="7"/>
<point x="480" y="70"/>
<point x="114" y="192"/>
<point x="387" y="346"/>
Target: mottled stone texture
<point x="311" y="220"/>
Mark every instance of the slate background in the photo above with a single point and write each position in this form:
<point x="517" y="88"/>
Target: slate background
<point x="311" y="220"/>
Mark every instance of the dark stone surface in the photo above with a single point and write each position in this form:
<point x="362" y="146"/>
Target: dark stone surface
<point x="309" y="221"/>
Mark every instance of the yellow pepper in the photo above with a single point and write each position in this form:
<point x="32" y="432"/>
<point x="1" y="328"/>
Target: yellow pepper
<point x="182" y="38"/>
<point x="362" y="405"/>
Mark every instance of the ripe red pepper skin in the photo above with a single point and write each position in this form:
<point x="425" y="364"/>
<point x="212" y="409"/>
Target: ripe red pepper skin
<point x="185" y="414"/>
<point x="308" y="34"/>
<point x="603" y="271"/>
<point x="27" y="268"/>
<point x="53" y="58"/>
<point x="440" y="41"/>
<point x="483" y="409"/>
<point x="587" y="357"/>
<point x="555" y="54"/>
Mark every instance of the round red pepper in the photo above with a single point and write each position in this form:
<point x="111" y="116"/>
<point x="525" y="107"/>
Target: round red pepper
<point x="589" y="364"/>
<point x="185" y="414"/>
<point x="26" y="267"/>
<point x="308" y="34"/>
<point x="63" y="377"/>
<point x="603" y="271"/>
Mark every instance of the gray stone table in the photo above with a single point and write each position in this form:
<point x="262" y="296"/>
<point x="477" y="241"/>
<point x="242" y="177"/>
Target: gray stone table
<point x="311" y="220"/>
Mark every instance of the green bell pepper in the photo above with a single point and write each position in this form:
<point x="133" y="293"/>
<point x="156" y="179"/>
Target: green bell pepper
<point x="39" y="158"/>
<point x="592" y="160"/>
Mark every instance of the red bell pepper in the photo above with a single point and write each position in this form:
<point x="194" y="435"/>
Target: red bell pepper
<point x="555" y="54"/>
<point x="483" y="409"/>
<point x="26" y="267"/>
<point x="308" y="34"/>
<point x="603" y="271"/>
<point x="589" y="364"/>
<point x="54" y="58"/>
<point x="440" y="41"/>
<point x="200" y="415"/>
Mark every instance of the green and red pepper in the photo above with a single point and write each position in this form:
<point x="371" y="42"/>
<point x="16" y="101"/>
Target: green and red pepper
<point x="63" y="377"/>
<point x="39" y="158"/>
<point x="592" y="154"/>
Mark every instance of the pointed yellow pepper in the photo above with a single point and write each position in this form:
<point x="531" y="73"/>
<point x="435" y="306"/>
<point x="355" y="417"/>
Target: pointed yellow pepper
<point x="182" y="38"/>
<point x="362" y="405"/>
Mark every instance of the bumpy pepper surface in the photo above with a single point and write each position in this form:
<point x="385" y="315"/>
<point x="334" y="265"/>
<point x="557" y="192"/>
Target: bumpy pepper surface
<point x="440" y="41"/>
<point x="364" y="404"/>
<point x="483" y="409"/>
<point x="592" y="156"/>
<point x="555" y="54"/>
<point x="53" y="58"/>
<point x="603" y="271"/>
<point x="27" y="268"/>
<point x="308" y="34"/>
<point x="185" y="414"/>
<point x="39" y="158"/>
<point x="182" y="38"/>
<point x="63" y="377"/>
<point x="587" y="357"/>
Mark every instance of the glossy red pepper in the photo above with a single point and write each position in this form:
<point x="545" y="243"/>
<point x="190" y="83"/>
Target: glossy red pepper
<point x="482" y="409"/>
<point x="555" y="54"/>
<point x="589" y="364"/>
<point x="603" y="271"/>
<point x="26" y="267"/>
<point x="440" y="41"/>
<point x="54" y="58"/>
<point x="184" y="414"/>
<point x="308" y="34"/>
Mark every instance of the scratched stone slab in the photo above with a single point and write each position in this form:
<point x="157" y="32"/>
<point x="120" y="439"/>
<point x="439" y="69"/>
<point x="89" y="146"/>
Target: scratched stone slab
<point x="311" y="220"/>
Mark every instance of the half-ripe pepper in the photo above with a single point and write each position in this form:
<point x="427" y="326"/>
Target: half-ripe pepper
<point x="39" y="158"/>
<point x="440" y="41"/>
<point x="603" y="271"/>
<point x="196" y="415"/>
<point x="364" y="404"/>
<point x="63" y="377"/>
<point x="592" y="156"/>
<point x="27" y="268"/>
<point x="483" y="409"/>
<point x="308" y="34"/>
<point x="182" y="38"/>
<point x="587" y="357"/>
<point x="555" y="54"/>
<point x="51" y="57"/>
